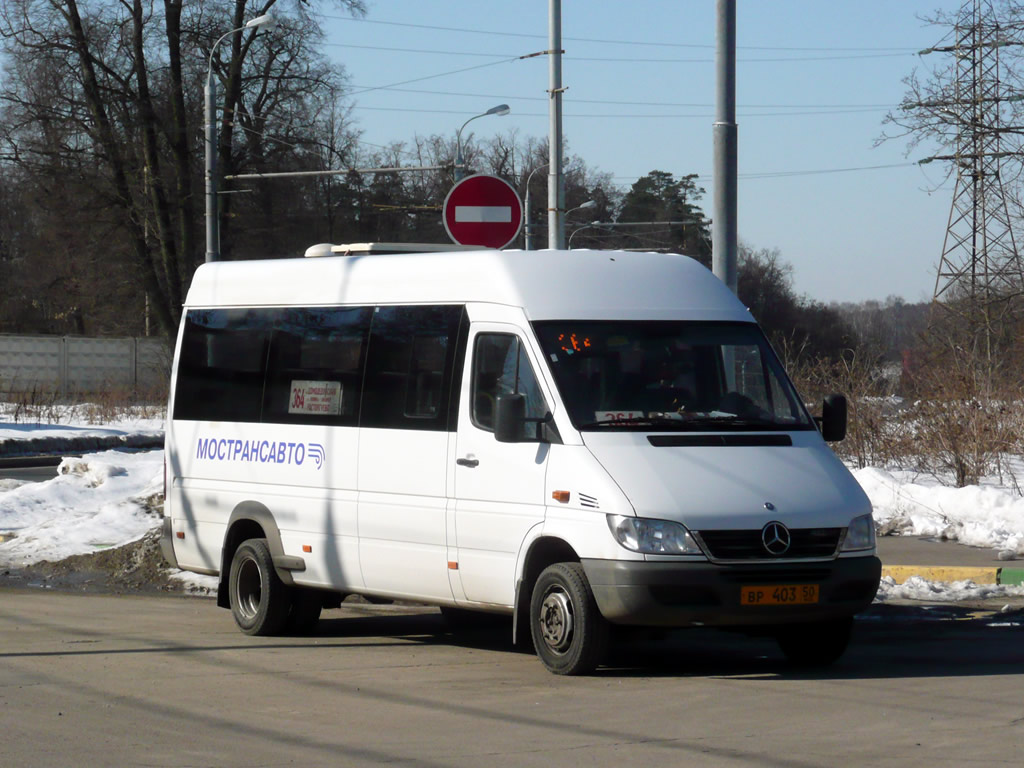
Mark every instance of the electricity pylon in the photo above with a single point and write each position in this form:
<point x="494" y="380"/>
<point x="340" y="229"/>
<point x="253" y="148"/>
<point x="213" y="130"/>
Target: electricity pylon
<point x="980" y="273"/>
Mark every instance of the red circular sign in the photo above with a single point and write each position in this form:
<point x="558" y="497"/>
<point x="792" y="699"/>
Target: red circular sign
<point x="482" y="210"/>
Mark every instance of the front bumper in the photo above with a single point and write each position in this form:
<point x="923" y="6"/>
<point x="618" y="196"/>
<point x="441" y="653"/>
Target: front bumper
<point x="661" y="594"/>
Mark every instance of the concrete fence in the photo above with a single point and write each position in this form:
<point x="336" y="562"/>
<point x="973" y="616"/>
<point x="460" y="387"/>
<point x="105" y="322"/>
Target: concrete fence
<point x="77" y="365"/>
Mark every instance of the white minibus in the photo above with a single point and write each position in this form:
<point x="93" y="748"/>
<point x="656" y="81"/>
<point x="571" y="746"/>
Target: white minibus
<point x="577" y="439"/>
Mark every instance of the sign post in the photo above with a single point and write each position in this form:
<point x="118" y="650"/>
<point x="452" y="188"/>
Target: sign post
<point x="482" y="210"/>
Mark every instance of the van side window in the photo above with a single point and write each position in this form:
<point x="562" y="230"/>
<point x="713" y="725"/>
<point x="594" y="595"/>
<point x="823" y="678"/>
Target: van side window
<point x="222" y="364"/>
<point x="314" y="375"/>
<point x="409" y="367"/>
<point x="501" y="367"/>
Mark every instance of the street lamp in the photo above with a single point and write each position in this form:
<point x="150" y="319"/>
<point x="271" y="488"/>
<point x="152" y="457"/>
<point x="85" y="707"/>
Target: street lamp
<point x="209" y="116"/>
<point x="527" y="224"/>
<point x="591" y="225"/>
<point x="460" y="171"/>
<point x="588" y="204"/>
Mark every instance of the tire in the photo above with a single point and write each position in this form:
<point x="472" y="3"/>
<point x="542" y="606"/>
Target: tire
<point x="569" y="633"/>
<point x="305" y="610"/>
<point x="260" y="602"/>
<point x="815" y="645"/>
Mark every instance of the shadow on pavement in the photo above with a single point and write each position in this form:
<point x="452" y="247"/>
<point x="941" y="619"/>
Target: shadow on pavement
<point x="890" y="641"/>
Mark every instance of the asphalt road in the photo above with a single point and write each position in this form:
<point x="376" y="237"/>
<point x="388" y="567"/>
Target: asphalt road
<point x="34" y="469"/>
<point x="107" y="680"/>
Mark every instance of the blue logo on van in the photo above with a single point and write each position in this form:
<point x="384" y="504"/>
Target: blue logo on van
<point x="316" y="453"/>
<point x="260" y="451"/>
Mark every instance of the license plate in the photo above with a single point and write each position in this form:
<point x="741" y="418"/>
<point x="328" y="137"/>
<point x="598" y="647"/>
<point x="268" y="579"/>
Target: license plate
<point x="799" y="594"/>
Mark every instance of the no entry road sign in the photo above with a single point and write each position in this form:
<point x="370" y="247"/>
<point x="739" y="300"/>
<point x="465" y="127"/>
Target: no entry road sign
<point x="482" y="210"/>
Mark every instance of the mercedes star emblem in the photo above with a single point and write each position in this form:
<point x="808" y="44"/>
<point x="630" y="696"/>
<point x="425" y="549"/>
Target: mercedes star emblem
<point x="776" y="539"/>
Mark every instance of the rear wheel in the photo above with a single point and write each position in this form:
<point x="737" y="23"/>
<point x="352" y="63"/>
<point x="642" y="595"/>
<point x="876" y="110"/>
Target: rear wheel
<point x="260" y="602"/>
<point x="815" y="645"/>
<point x="569" y="633"/>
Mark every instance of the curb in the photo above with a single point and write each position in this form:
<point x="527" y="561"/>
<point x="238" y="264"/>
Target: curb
<point x="14" y="448"/>
<point x="979" y="575"/>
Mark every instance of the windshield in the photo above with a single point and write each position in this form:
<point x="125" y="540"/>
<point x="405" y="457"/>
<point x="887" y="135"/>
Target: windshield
<point x="669" y="376"/>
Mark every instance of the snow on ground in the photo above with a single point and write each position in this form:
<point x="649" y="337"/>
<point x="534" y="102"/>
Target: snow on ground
<point x="69" y="421"/>
<point x="91" y="503"/>
<point x="916" y="588"/>
<point x="98" y="501"/>
<point x="989" y="515"/>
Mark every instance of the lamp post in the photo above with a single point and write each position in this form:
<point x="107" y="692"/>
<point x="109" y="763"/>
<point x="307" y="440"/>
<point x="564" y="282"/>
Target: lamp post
<point x="527" y="224"/>
<point x="581" y="207"/>
<point x="591" y="225"/>
<point x="210" y="119"/>
<point x="460" y="171"/>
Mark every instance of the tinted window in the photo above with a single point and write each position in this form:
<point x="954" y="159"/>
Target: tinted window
<point x="501" y="367"/>
<point x="300" y="366"/>
<point x="222" y="364"/>
<point x="409" y="367"/>
<point x="315" y="366"/>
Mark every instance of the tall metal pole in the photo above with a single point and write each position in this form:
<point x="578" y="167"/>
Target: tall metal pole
<point x="209" y="115"/>
<point x="723" y="236"/>
<point x="556" y="180"/>
<point x="528" y="224"/>
<point x="210" y="134"/>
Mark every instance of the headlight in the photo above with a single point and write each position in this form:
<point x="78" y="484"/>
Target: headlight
<point x="652" y="537"/>
<point x="860" y="534"/>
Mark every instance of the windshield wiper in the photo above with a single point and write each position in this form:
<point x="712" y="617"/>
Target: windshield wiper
<point x="633" y="421"/>
<point x="728" y="421"/>
<point x="687" y="424"/>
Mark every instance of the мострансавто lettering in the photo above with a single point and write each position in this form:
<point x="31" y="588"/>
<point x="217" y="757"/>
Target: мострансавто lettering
<point x="259" y="451"/>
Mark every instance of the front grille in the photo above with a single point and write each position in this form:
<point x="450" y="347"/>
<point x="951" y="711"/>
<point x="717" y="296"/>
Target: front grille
<point x="747" y="545"/>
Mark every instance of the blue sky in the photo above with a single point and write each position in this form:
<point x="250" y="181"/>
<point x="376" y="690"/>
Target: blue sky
<point x="814" y="81"/>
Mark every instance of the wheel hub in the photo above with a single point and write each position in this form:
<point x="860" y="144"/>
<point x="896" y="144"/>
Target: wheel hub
<point x="248" y="589"/>
<point x="556" y="621"/>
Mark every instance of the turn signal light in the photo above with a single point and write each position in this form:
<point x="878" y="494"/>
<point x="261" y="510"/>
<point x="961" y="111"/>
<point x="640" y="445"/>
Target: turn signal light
<point x="306" y="548"/>
<point x="560" y="496"/>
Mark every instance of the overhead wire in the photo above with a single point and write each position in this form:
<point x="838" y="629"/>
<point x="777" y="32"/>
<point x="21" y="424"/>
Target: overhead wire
<point x="624" y="115"/>
<point x="601" y="41"/>
<point x="508" y="97"/>
<point x="622" y="60"/>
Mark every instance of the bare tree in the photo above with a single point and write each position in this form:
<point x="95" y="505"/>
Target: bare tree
<point x="110" y="89"/>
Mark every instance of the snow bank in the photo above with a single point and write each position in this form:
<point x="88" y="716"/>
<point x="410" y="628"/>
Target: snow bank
<point x="91" y="503"/>
<point x="916" y="588"/>
<point x="978" y="515"/>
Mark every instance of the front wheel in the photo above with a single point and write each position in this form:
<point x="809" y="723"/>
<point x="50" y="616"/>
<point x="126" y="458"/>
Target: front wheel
<point x="815" y="645"/>
<point x="568" y="631"/>
<point x="259" y="599"/>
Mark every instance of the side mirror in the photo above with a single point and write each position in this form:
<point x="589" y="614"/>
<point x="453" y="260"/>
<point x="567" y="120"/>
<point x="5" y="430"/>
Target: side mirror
<point x="509" y="418"/>
<point x="833" y="418"/>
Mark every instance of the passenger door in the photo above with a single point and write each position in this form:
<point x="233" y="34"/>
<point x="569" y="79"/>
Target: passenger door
<point x="403" y="450"/>
<point x="499" y="487"/>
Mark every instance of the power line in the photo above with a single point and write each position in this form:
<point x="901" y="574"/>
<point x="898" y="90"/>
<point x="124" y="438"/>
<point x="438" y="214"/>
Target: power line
<point x="463" y="30"/>
<point x="705" y="177"/>
<point x="507" y="97"/>
<point x="624" y="115"/>
<point x="439" y="74"/>
<point x="621" y="60"/>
